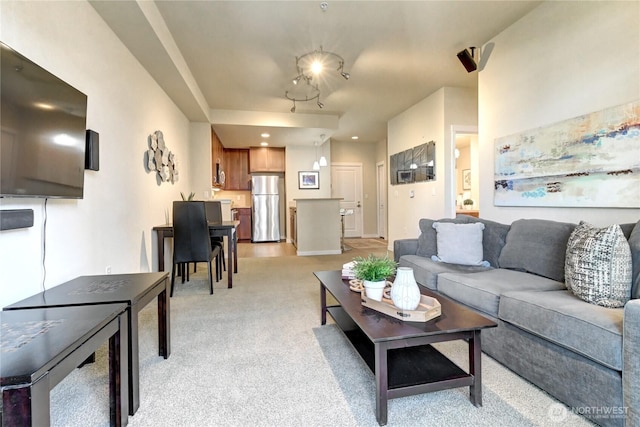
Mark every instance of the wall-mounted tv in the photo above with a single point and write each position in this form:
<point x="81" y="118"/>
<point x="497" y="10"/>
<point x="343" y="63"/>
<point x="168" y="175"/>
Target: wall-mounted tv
<point x="43" y="124"/>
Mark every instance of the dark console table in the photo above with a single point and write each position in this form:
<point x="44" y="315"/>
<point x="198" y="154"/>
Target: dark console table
<point x="135" y="290"/>
<point x="40" y="347"/>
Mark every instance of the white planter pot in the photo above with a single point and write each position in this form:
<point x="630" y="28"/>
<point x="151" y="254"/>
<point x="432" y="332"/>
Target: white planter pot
<point x="374" y="290"/>
<point x="405" y="293"/>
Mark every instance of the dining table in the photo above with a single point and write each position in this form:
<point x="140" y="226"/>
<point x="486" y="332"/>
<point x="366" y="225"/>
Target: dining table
<point x="225" y="229"/>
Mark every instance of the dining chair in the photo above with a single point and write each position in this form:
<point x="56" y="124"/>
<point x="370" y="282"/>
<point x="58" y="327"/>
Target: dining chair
<point x="214" y="214"/>
<point x="191" y="241"/>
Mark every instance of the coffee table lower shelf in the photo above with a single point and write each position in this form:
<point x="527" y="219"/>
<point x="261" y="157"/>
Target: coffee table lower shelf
<point x="410" y="369"/>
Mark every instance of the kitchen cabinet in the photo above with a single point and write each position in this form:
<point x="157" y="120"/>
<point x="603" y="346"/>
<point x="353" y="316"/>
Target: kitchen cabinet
<point x="217" y="158"/>
<point x="236" y="169"/>
<point x="266" y="159"/>
<point x="244" y="228"/>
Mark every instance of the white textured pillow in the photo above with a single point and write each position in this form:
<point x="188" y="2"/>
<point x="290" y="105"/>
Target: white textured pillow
<point x="598" y="265"/>
<point x="459" y="243"/>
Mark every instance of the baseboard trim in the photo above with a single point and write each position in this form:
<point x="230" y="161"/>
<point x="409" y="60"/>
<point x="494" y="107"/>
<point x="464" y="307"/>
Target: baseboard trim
<point x="327" y="252"/>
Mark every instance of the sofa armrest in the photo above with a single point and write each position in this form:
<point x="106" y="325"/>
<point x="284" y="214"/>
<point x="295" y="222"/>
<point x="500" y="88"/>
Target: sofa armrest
<point x="631" y="361"/>
<point x="404" y="247"/>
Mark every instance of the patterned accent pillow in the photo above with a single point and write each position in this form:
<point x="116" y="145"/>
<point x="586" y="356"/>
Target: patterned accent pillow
<point x="598" y="265"/>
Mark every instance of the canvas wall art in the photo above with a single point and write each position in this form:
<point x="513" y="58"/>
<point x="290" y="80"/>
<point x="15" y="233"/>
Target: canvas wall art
<point x="588" y="161"/>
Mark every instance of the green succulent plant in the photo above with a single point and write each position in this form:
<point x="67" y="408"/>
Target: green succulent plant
<point x="373" y="268"/>
<point x="188" y="198"/>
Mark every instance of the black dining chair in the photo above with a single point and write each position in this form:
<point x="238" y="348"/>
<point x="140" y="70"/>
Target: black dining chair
<point x="214" y="214"/>
<point x="191" y="241"/>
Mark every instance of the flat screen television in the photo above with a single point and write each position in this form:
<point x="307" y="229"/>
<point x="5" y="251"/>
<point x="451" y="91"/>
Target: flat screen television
<point x="43" y="125"/>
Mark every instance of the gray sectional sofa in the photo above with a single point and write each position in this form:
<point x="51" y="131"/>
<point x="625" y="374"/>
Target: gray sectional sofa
<point x="585" y="355"/>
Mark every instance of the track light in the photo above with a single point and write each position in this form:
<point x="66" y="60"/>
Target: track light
<point x="293" y="109"/>
<point x="345" y="75"/>
<point x="468" y="59"/>
<point x="320" y="104"/>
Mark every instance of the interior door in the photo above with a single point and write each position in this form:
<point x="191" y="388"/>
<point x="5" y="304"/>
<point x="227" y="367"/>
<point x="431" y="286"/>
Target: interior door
<point x="346" y="183"/>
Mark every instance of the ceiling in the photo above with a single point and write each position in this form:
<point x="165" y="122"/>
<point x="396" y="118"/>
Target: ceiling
<point x="229" y="63"/>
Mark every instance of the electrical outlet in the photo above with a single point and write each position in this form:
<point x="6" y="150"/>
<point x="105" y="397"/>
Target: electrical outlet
<point x="108" y="269"/>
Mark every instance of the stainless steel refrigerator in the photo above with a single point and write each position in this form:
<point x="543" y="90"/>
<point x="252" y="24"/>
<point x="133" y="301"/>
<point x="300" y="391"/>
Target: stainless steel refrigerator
<point x="265" y="208"/>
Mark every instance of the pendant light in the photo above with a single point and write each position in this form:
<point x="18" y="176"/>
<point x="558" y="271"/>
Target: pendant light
<point x="316" y="164"/>
<point x="323" y="159"/>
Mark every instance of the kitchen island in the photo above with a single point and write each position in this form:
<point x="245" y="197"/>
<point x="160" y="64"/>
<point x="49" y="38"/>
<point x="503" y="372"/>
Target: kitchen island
<point x="316" y="226"/>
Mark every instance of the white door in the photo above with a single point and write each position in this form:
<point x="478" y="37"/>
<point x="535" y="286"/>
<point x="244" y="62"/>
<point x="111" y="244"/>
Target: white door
<point x="346" y="183"/>
<point x="381" y="176"/>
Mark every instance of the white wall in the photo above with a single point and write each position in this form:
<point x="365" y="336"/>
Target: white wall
<point x="429" y="120"/>
<point x="112" y="225"/>
<point x="562" y="60"/>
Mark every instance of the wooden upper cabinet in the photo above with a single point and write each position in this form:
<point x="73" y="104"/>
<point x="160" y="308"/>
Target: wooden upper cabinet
<point x="237" y="169"/>
<point x="217" y="156"/>
<point x="266" y="159"/>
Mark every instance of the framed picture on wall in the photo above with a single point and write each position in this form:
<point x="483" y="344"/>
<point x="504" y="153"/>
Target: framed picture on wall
<point x="466" y="179"/>
<point x="309" y="180"/>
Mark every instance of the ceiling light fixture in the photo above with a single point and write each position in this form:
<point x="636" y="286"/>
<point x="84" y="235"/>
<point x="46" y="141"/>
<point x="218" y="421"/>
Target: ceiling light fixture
<point x="316" y="164"/>
<point x="323" y="159"/>
<point x="310" y="65"/>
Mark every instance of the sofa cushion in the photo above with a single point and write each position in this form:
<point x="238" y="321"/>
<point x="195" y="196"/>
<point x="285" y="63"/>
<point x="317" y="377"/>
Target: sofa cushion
<point x="562" y="318"/>
<point x="598" y="265"/>
<point x="634" y="245"/>
<point x="426" y="271"/>
<point x="493" y="237"/>
<point x="427" y="246"/>
<point x="537" y="246"/>
<point x="482" y="290"/>
<point x="459" y="243"/>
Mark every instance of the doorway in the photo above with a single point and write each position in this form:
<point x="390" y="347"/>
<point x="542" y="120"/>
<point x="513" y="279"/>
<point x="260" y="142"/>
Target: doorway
<point x="346" y="183"/>
<point x="465" y="180"/>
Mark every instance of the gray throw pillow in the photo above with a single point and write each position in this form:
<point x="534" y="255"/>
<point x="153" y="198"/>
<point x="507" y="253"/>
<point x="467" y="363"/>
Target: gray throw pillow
<point x="598" y="265"/>
<point x="537" y="246"/>
<point x="427" y="239"/>
<point x="459" y="243"/>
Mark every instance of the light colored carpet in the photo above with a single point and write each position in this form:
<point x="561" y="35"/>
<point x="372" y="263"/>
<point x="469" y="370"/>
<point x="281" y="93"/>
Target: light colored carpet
<point x="256" y="355"/>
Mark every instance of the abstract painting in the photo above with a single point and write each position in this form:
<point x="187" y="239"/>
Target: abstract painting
<point x="588" y="161"/>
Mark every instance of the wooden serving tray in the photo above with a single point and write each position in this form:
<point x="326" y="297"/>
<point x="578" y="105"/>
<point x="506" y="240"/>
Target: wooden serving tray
<point x="429" y="308"/>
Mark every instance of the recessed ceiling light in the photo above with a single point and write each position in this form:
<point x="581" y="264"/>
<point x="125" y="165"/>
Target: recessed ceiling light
<point x="354" y="137"/>
<point x="265" y="135"/>
<point x="264" y="143"/>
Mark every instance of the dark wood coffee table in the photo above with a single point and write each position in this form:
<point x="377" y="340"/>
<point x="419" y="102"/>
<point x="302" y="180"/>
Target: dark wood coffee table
<point x="41" y="346"/>
<point x="398" y="352"/>
<point x="136" y="290"/>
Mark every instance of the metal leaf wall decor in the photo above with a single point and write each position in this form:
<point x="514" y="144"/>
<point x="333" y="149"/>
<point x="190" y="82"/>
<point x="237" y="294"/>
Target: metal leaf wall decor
<point x="160" y="159"/>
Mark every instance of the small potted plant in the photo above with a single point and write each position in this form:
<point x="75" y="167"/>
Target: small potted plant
<point x="468" y="203"/>
<point x="188" y="198"/>
<point x="374" y="271"/>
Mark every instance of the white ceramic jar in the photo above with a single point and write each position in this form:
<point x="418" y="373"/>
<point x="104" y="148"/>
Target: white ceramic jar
<point x="405" y="293"/>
